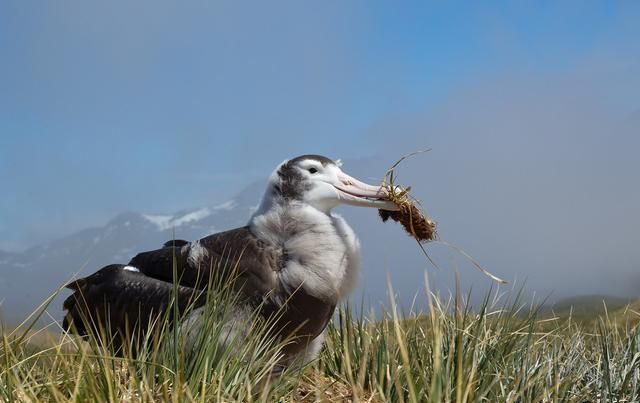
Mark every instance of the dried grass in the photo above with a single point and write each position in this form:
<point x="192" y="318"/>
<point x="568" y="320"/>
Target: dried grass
<point x="419" y="226"/>
<point x="415" y="222"/>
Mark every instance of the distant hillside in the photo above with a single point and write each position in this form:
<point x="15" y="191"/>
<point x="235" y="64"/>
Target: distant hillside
<point x="587" y="307"/>
<point x="629" y="313"/>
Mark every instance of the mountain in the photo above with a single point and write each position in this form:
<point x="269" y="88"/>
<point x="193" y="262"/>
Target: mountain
<point x="589" y="309"/>
<point x="630" y="313"/>
<point x="27" y="278"/>
<point x="586" y="308"/>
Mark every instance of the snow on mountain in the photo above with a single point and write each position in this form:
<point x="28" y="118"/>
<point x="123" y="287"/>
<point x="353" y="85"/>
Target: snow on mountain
<point x="161" y="221"/>
<point x="165" y="222"/>
<point x="226" y="206"/>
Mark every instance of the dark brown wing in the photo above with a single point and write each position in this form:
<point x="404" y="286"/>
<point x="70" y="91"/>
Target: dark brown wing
<point x="216" y="259"/>
<point x="121" y="302"/>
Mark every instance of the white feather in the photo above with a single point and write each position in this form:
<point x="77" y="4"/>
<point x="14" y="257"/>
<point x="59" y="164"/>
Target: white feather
<point x="267" y="201"/>
<point x="197" y="253"/>
<point x="352" y="244"/>
<point x="131" y="268"/>
<point x="233" y="331"/>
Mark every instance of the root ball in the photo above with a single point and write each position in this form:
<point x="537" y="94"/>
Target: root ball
<point x="419" y="226"/>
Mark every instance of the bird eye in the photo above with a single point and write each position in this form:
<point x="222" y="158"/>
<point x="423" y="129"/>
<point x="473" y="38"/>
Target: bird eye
<point x="313" y="170"/>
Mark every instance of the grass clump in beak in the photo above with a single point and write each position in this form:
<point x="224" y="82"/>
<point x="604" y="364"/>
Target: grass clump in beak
<point x="415" y="222"/>
<point x="419" y="226"/>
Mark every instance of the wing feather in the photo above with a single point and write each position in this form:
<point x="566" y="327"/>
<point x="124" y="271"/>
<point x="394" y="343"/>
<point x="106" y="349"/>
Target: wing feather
<point x="118" y="301"/>
<point x="216" y="259"/>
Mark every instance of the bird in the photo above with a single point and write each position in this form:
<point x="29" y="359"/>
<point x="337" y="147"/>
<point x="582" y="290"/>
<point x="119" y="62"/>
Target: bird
<point x="295" y="259"/>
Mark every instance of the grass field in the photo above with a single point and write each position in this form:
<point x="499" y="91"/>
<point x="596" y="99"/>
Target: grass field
<point x="500" y="351"/>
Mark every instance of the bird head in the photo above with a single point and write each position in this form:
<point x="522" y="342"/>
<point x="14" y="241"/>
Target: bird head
<point x="320" y="182"/>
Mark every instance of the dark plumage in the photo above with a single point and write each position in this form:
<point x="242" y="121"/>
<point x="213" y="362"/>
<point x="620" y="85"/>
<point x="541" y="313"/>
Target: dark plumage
<point x="121" y="302"/>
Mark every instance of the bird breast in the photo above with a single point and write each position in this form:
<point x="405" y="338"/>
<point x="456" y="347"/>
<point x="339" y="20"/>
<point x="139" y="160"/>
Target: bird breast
<point x="322" y="251"/>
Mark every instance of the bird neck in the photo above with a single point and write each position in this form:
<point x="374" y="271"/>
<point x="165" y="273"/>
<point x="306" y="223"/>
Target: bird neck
<point x="277" y="222"/>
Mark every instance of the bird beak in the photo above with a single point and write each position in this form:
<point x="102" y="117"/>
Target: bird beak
<point x="356" y="193"/>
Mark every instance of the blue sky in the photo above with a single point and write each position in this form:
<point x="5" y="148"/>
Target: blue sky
<point x="156" y="106"/>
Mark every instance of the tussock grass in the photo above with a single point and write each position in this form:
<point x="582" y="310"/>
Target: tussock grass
<point x="418" y="225"/>
<point x="498" y="351"/>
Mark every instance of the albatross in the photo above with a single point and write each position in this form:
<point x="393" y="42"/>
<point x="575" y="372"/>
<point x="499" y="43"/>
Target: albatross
<point x="295" y="258"/>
